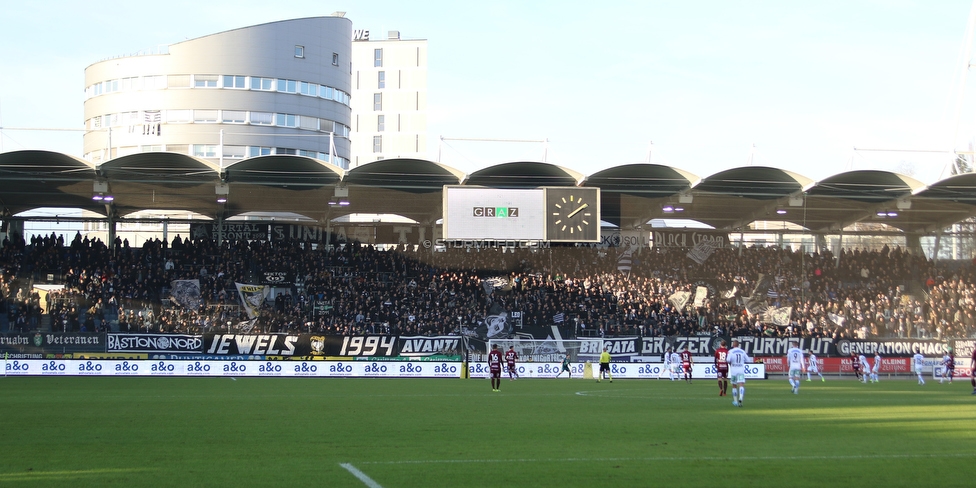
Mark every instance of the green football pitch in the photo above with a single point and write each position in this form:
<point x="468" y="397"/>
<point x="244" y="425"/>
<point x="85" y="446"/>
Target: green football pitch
<point x="155" y="432"/>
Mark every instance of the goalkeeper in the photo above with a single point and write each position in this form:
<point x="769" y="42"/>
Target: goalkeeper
<point x="604" y="365"/>
<point x="566" y="367"/>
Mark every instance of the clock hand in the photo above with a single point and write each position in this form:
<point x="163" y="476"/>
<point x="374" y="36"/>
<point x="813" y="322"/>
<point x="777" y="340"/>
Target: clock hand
<point x="574" y="212"/>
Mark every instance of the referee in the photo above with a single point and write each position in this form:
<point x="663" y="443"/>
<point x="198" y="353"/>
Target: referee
<point x="604" y="365"/>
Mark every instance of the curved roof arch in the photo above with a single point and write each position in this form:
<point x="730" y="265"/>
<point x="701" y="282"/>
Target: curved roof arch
<point x="869" y="186"/>
<point x="164" y="168"/>
<point x="161" y="181"/>
<point x="524" y="174"/>
<point x="34" y="179"/>
<point x="630" y="194"/>
<point x="411" y="188"/>
<point x="756" y="182"/>
<point x="404" y="174"/>
<point x="643" y="179"/>
<point x="283" y="171"/>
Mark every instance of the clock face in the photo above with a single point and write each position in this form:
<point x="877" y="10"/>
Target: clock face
<point x="572" y="214"/>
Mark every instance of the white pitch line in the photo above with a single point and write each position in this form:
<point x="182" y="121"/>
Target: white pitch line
<point x="361" y="475"/>
<point x="678" y="458"/>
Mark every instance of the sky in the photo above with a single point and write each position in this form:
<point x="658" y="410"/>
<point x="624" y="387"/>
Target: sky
<point x="814" y="87"/>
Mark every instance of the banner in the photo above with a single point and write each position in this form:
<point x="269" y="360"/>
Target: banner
<point x="232" y="231"/>
<point x="185" y="293"/>
<point x="311" y="233"/>
<point x="154" y="343"/>
<point x="252" y="298"/>
<point x="688" y="238"/>
<point x="777" y="364"/>
<point x="276" y="278"/>
<point x="38" y="344"/>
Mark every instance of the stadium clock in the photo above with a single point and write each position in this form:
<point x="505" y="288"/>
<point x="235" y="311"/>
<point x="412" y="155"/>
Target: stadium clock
<point x="573" y="214"/>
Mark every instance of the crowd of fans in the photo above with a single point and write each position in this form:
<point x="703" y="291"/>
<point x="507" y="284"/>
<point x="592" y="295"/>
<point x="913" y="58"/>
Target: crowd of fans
<point x="359" y="289"/>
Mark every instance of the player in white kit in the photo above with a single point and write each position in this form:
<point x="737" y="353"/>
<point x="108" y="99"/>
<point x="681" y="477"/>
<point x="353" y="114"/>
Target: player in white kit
<point x="918" y="360"/>
<point x="813" y="366"/>
<point x="865" y="367"/>
<point x="666" y="360"/>
<point x="876" y="367"/>
<point x="675" y="366"/>
<point x="737" y="359"/>
<point x="794" y="361"/>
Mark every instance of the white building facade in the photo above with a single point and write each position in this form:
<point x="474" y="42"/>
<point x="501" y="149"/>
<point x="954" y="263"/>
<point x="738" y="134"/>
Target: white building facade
<point x="389" y="97"/>
<point x="277" y="88"/>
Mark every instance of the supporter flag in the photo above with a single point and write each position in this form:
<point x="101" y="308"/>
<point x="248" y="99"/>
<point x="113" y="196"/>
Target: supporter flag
<point x="559" y="318"/>
<point x="729" y="294"/>
<point x="679" y="299"/>
<point x="778" y="316"/>
<point x="497" y="325"/>
<point x="625" y="261"/>
<point x="252" y="297"/>
<point x="498" y="283"/>
<point x="185" y="293"/>
<point x="837" y="320"/>
<point x="701" y="293"/>
<point x="702" y="251"/>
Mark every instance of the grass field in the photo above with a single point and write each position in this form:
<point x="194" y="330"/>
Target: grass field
<point x="153" y="432"/>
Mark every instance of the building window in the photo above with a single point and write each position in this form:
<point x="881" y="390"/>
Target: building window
<point x="204" y="116"/>
<point x="381" y="79"/>
<point x="263" y="84"/>
<point x="288" y="86"/>
<point x="286" y="151"/>
<point x="205" y="81"/>
<point x="310" y="89"/>
<point x="178" y="81"/>
<point x="233" y="81"/>
<point x="235" y="152"/>
<point x="155" y="82"/>
<point x="286" y="120"/>
<point x="132" y="83"/>
<point x="253" y="151"/>
<point x="262" y="118"/>
<point x="233" y="116"/>
<point x="380" y="123"/>
<point x="299" y="51"/>
<point x="179" y="116"/>
<point x="377" y="144"/>
<point x="335" y="59"/>
<point x="378" y="58"/>
<point x="377" y="101"/>
<point x="205" y="150"/>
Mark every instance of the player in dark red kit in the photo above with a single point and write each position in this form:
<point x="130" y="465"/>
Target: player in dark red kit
<point x="510" y="357"/>
<point x="972" y="371"/>
<point x="856" y="365"/>
<point x="495" y="367"/>
<point x="722" y="369"/>
<point x="686" y="363"/>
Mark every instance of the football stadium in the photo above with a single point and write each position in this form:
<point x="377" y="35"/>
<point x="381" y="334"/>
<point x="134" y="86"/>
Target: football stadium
<point x="301" y="315"/>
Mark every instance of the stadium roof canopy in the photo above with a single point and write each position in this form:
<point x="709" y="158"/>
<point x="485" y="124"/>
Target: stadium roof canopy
<point x="631" y="194"/>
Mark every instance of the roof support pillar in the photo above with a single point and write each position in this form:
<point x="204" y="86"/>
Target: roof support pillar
<point x="914" y="243"/>
<point x="935" y="252"/>
<point x="837" y="250"/>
